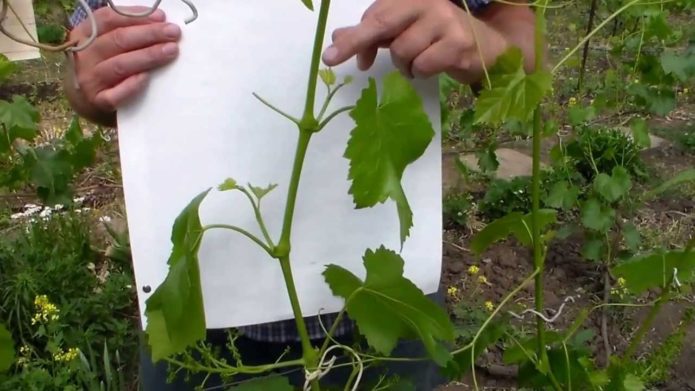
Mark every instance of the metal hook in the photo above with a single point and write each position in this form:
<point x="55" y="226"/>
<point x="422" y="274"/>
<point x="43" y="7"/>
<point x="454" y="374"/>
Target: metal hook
<point x="68" y="46"/>
<point x="153" y="9"/>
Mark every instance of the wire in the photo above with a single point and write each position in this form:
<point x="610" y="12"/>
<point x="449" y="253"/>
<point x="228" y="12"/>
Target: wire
<point x="152" y="9"/>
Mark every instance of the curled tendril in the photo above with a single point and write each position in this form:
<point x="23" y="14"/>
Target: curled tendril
<point x="73" y="46"/>
<point x="152" y="9"/>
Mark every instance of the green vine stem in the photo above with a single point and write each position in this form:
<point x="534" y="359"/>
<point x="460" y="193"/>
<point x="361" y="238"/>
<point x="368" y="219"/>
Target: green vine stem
<point x="538" y="260"/>
<point x="307" y="126"/>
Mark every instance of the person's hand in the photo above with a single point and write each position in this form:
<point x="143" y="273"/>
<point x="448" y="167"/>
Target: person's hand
<point x="115" y="67"/>
<point x="424" y="37"/>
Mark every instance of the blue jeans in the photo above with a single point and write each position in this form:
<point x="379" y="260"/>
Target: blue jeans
<point x="424" y="375"/>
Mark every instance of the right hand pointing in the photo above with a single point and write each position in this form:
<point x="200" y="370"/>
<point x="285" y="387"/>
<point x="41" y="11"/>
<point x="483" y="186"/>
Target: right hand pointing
<point x="115" y="67"/>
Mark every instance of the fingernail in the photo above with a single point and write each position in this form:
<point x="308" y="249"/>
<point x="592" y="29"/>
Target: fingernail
<point x="331" y="54"/>
<point x="172" y="31"/>
<point x="158" y="15"/>
<point x="170" y="49"/>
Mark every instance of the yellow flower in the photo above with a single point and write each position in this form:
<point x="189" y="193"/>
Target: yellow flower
<point x="572" y="101"/>
<point x="482" y="279"/>
<point x="621" y="282"/>
<point x="45" y="310"/>
<point x="473" y="270"/>
<point x="68" y="356"/>
<point x="452" y="291"/>
<point x="489" y="306"/>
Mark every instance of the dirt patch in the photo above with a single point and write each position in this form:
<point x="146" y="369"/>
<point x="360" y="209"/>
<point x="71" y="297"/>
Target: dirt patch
<point x="42" y="91"/>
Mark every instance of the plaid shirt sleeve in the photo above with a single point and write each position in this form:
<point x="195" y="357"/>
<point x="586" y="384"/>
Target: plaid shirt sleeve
<point x="80" y="13"/>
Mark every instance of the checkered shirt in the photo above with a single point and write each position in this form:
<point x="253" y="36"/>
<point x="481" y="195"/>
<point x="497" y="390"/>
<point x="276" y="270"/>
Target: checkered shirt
<point x="283" y="331"/>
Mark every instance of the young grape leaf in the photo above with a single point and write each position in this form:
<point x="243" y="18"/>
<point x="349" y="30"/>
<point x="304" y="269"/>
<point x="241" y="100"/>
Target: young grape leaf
<point x="656" y="270"/>
<point x="596" y="216"/>
<point x="594" y="249"/>
<point x="228" y="184"/>
<point x="270" y="383"/>
<point x="175" y="312"/>
<point x="514" y="223"/>
<point x="462" y="361"/>
<point x="615" y="186"/>
<point x="6" y="67"/>
<point x="389" y="135"/>
<point x="633" y="383"/>
<point x="660" y="100"/>
<point x="327" y="76"/>
<point x="579" y="115"/>
<point x="51" y="173"/>
<point x="683" y="67"/>
<point x="19" y="120"/>
<point x="6" y="349"/>
<point x="562" y="195"/>
<point x="640" y="133"/>
<point x="631" y="236"/>
<point x="514" y="93"/>
<point x="487" y="159"/>
<point x="261" y="192"/>
<point x="387" y="306"/>
<point x="82" y="149"/>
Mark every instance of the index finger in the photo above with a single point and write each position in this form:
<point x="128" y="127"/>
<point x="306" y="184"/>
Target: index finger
<point x="109" y="20"/>
<point x="376" y="27"/>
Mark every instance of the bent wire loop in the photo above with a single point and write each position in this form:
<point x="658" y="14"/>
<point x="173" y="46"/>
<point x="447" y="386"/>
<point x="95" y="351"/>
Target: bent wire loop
<point x="73" y="46"/>
<point x="154" y="7"/>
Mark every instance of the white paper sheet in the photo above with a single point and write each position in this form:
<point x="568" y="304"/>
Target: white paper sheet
<point x="198" y="124"/>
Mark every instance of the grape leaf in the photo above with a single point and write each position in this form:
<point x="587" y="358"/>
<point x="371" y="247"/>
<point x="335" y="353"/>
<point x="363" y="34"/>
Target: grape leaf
<point x="683" y="67"/>
<point x="261" y="192"/>
<point x="640" y="133"/>
<point x="269" y="383"/>
<point x="6" y="349"/>
<point x="633" y="383"/>
<point x="562" y="195"/>
<point x="228" y="184"/>
<point x="593" y="249"/>
<point x="660" y="100"/>
<point x="82" y="149"/>
<point x="596" y="216"/>
<point x="656" y="270"/>
<point x="579" y="114"/>
<point x="615" y="186"/>
<point x="631" y="236"/>
<point x="6" y="67"/>
<point x="327" y="76"/>
<point x="388" y="137"/>
<point x="19" y="120"/>
<point x="514" y="223"/>
<point x="387" y="306"/>
<point x="487" y="159"/>
<point x="514" y="93"/>
<point x="51" y="173"/>
<point x="175" y="311"/>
